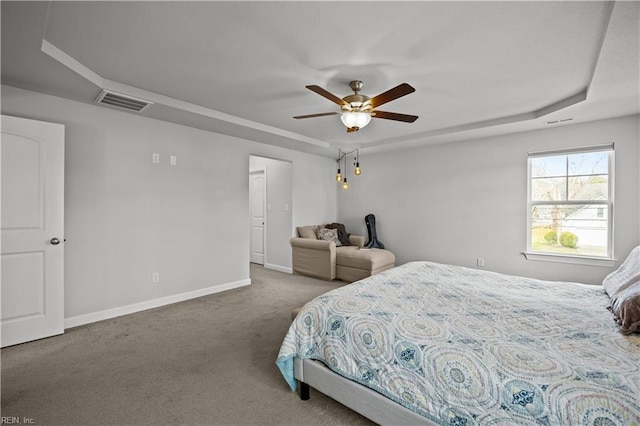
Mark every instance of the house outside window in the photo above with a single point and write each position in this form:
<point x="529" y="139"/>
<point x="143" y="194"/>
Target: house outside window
<point x="570" y="197"/>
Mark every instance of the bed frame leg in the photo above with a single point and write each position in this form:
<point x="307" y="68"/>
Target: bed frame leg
<point x="304" y="391"/>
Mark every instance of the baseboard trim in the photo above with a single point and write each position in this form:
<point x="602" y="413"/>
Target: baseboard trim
<point x="150" y="304"/>
<point x="278" y="268"/>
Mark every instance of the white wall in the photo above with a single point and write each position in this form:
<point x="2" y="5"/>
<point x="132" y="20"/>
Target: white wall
<point x="126" y="217"/>
<point x="456" y="202"/>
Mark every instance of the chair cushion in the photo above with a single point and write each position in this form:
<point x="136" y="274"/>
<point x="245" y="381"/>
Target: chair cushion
<point x="307" y="232"/>
<point x="368" y="260"/>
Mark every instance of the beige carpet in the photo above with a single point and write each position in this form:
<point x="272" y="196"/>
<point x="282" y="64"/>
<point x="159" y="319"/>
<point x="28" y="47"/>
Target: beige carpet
<point x="207" y="361"/>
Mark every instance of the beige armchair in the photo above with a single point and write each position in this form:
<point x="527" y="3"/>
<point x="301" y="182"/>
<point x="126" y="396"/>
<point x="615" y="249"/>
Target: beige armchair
<point x="322" y="259"/>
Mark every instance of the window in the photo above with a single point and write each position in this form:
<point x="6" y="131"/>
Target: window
<point x="571" y="203"/>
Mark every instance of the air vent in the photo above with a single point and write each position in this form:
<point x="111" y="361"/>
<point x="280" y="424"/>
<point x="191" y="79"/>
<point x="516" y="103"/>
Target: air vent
<point x="119" y="100"/>
<point x="548" y="123"/>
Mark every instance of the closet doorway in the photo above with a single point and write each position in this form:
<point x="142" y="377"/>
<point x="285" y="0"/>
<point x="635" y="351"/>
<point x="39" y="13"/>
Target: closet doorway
<point x="270" y="201"/>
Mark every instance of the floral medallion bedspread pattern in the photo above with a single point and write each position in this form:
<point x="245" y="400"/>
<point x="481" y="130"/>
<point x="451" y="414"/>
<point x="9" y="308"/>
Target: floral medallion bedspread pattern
<point x="466" y="347"/>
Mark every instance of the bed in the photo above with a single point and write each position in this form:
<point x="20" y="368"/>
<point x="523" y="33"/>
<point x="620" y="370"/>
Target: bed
<point x="428" y="343"/>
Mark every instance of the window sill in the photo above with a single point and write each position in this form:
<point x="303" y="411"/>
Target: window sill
<point x="576" y="260"/>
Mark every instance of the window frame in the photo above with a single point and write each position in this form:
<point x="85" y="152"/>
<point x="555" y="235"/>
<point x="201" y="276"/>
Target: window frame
<point x="606" y="261"/>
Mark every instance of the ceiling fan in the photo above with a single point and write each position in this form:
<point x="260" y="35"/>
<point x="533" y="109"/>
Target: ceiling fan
<point x="358" y="109"/>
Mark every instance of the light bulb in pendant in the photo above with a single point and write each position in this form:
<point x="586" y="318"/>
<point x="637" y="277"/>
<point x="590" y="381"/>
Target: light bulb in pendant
<point x="338" y="176"/>
<point x="345" y="185"/>
<point x="357" y="171"/>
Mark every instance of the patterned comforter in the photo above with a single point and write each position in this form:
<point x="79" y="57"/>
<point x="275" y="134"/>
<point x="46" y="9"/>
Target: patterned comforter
<point x="461" y="346"/>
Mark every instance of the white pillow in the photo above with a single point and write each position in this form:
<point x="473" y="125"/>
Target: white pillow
<point x="625" y="275"/>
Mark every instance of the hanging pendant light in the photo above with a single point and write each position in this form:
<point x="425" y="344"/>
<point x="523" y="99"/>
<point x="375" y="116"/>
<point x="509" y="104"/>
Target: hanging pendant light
<point x="340" y="178"/>
<point x="357" y="171"/>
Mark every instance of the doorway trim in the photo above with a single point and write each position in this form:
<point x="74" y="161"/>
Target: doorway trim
<point x="278" y="210"/>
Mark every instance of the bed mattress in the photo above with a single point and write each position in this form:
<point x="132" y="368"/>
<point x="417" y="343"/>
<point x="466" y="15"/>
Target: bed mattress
<point x="469" y="347"/>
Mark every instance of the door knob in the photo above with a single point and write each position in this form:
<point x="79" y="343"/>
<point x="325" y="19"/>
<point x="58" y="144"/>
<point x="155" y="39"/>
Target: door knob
<point x="54" y="241"/>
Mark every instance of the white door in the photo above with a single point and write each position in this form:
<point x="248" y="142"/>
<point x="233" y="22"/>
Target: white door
<point x="257" y="201"/>
<point x="32" y="223"/>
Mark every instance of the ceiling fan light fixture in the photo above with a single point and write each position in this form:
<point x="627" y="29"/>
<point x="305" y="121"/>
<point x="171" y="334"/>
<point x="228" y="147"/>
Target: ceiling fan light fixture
<point x="358" y="109"/>
<point x="355" y="119"/>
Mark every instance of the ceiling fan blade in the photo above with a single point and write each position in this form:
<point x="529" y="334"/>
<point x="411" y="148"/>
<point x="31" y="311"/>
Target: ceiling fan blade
<point x="320" y="91"/>
<point x="394" y="116"/>
<point x="322" y="114"/>
<point x="391" y="94"/>
<point x="352" y="129"/>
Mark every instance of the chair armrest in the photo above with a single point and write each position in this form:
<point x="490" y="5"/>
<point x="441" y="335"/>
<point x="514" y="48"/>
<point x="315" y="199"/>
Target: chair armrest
<point x="308" y="243"/>
<point x="357" y="240"/>
<point x="315" y="258"/>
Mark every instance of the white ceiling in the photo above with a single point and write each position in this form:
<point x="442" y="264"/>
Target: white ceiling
<point x="240" y="68"/>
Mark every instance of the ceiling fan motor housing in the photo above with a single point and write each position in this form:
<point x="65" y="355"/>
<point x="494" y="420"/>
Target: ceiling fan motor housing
<point x="356" y="102"/>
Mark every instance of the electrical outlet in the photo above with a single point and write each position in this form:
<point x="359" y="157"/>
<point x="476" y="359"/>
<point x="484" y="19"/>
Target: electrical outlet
<point x="173" y="160"/>
<point x="155" y="158"/>
<point x="155" y="277"/>
<point x="480" y="262"/>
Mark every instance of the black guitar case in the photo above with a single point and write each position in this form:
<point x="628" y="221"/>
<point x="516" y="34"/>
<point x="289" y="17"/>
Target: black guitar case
<point x="370" y="220"/>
